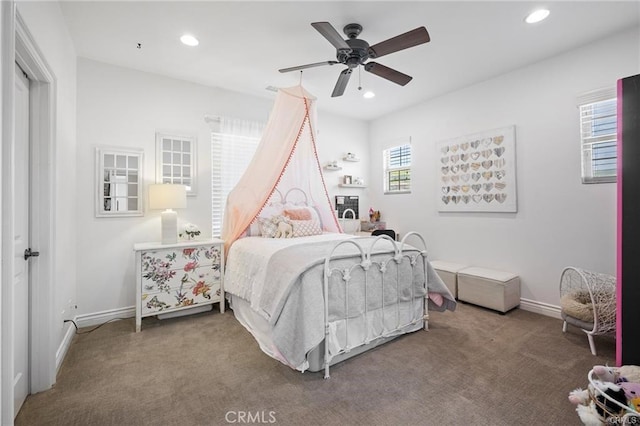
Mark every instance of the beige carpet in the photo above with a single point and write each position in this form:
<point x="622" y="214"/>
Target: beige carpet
<point x="475" y="367"/>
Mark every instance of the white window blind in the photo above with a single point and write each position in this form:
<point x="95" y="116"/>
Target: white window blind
<point x="397" y="169"/>
<point x="232" y="147"/>
<point x="598" y="135"/>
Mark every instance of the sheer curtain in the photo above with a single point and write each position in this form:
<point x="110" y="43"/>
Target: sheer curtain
<point x="285" y="160"/>
<point x="233" y="143"/>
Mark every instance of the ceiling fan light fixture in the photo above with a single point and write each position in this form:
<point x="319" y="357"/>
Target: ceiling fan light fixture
<point x="189" y="40"/>
<point x="368" y="94"/>
<point x="537" y="16"/>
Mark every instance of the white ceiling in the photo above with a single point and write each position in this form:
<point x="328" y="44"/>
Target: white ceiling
<point x="243" y="44"/>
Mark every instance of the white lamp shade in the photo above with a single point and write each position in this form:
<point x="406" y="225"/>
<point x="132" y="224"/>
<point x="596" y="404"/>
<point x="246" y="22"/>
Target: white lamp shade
<point x="167" y="196"/>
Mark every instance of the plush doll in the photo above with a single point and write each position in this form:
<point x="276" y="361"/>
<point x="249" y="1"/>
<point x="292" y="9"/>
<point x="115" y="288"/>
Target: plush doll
<point x="596" y="410"/>
<point x="588" y="415"/>
<point x="626" y="373"/>
<point x="285" y="228"/>
<point x="632" y="392"/>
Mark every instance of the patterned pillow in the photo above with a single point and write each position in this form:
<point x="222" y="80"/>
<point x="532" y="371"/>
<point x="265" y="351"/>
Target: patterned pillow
<point x="298" y="214"/>
<point x="268" y="229"/>
<point x="303" y="228"/>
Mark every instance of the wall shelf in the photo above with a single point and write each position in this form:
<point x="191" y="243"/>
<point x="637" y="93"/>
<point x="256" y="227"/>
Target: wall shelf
<point x="332" y="168"/>
<point x="352" y="159"/>
<point x="351" y="185"/>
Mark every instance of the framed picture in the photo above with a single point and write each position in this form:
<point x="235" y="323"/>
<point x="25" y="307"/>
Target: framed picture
<point x="347" y="180"/>
<point x="477" y="173"/>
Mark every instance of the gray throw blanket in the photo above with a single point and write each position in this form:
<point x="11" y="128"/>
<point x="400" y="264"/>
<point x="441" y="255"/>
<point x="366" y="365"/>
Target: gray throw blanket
<point x="295" y="306"/>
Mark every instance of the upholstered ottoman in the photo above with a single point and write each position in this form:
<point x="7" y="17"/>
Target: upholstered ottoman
<point x="448" y="272"/>
<point x="492" y="289"/>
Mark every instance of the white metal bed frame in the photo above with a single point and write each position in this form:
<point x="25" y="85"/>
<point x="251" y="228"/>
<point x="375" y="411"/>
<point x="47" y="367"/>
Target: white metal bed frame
<point x="365" y="264"/>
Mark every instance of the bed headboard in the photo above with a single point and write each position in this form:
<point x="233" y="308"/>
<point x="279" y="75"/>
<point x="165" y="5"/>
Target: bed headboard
<point x="294" y="196"/>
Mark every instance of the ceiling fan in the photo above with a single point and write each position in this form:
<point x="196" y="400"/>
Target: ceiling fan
<point x="353" y="52"/>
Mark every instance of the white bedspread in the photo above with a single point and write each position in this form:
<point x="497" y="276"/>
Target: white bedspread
<point x="246" y="268"/>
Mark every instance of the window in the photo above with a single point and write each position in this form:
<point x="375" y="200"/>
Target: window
<point x="176" y="160"/>
<point x="233" y="143"/>
<point x="397" y="169"/>
<point x="598" y="134"/>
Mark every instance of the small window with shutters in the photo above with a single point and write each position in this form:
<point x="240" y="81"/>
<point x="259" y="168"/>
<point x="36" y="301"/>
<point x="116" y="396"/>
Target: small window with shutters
<point x="598" y="135"/>
<point x="397" y="169"/>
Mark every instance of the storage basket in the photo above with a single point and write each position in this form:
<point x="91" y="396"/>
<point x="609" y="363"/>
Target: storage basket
<point x="630" y="416"/>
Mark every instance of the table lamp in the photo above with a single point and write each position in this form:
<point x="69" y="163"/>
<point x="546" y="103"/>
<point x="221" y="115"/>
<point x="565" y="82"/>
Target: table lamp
<point x="168" y="196"/>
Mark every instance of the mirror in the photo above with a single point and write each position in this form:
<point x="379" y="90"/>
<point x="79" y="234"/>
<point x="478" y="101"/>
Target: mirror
<point x="119" y="182"/>
<point x="176" y="160"/>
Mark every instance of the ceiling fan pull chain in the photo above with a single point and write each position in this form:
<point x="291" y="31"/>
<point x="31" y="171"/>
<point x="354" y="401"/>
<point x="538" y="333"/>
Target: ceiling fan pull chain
<point x="359" y="78"/>
<point x="300" y="77"/>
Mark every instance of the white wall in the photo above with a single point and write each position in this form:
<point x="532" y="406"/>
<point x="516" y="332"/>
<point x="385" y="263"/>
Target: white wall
<point x="560" y="221"/>
<point x="48" y="28"/>
<point x="123" y="107"/>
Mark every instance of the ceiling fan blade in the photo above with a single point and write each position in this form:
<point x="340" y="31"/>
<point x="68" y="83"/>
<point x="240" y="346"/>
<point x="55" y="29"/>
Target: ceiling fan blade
<point x="403" y="41"/>
<point x="388" y="73"/>
<point x="331" y="34"/>
<point x="342" y="83"/>
<point x="315" y="64"/>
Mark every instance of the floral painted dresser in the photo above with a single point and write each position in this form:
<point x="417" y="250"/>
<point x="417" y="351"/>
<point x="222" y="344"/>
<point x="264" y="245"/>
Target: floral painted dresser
<point x="181" y="276"/>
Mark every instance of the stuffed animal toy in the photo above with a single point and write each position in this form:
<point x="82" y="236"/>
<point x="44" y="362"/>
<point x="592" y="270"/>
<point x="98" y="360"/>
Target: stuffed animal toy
<point x="593" y="408"/>
<point x="632" y="392"/>
<point x="285" y="228"/>
<point x="626" y="373"/>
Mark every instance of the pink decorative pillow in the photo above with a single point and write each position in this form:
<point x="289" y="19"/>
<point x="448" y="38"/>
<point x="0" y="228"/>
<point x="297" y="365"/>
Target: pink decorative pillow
<point x="298" y="214"/>
<point x="304" y="228"/>
<point x="436" y="298"/>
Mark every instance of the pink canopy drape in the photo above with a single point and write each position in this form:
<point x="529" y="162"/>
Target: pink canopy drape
<point x="286" y="159"/>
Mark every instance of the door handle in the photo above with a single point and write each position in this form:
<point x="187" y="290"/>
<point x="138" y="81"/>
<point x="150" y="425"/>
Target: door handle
<point x="28" y="253"/>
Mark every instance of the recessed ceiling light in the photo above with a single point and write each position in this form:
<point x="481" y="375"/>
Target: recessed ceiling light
<point x="189" y="40"/>
<point x="536" y="16"/>
<point x="368" y="95"/>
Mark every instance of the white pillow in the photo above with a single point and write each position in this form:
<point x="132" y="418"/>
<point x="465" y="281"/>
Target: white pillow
<point x="271" y="210"/>
<point x="254" y="229"/>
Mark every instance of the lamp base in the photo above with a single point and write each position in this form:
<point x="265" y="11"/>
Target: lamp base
<point x="169" y="219"/>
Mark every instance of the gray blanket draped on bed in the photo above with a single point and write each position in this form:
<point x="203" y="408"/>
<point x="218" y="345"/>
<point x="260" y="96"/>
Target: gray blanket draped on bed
<point x="295" y="307"/>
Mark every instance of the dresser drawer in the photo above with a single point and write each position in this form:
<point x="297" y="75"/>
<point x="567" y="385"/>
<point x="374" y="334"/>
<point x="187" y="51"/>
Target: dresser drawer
<point x="180" y="258"/>
<point x="164" y="279"/>
<point x="190" y="295"/>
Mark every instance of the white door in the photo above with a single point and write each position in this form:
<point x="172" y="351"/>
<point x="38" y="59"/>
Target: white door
<point x="21" y="243"/>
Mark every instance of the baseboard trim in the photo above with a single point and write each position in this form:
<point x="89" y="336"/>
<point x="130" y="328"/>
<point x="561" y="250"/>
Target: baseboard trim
<point x="88" y="320"/>
<point x="64" y="345"/>
<point x="97" y="318"/>
<point x="541" y="308"/>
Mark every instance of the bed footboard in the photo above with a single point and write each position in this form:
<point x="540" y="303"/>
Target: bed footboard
<point x="381" y="272"/>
